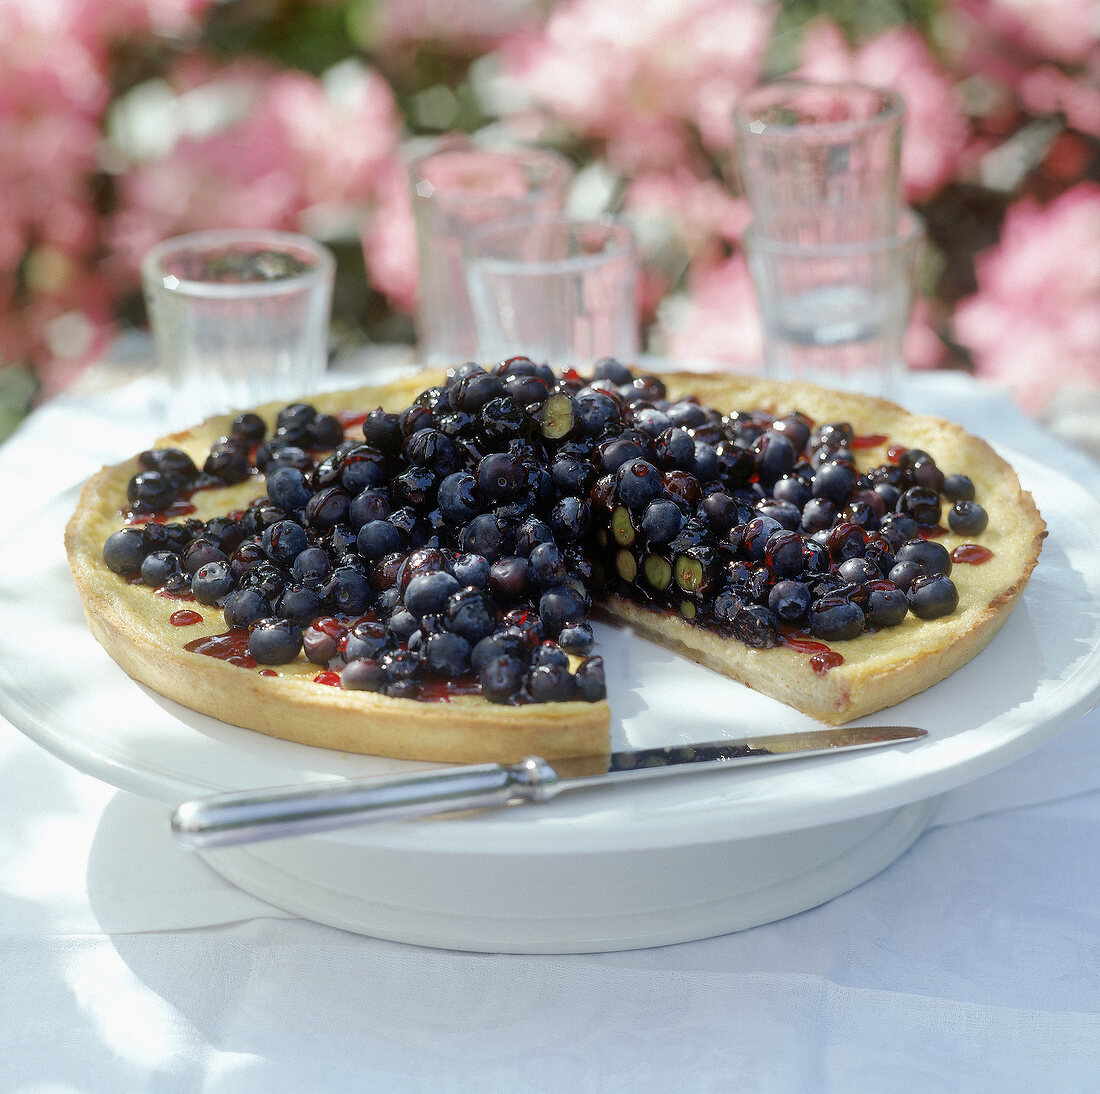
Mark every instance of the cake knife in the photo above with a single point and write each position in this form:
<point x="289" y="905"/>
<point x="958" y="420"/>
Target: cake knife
<point x="248" y="816"/>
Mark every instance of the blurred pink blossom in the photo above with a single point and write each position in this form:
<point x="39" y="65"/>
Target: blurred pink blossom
<point x="935" y="132"/>
<point x="1034" y="324"/>
<point x="633" y="75"/>
<point x="471" y="26"/>
<point x="290" y="147"/>
<point x="1049" y="90"/>
<point x="1055" y="30"/>
<point x="389" y="241"/>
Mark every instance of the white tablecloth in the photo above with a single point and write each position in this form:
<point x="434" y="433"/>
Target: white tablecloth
<point x="971" y="964"/>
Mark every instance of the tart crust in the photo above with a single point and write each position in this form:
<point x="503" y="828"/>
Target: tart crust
<point x="132" y="622"/>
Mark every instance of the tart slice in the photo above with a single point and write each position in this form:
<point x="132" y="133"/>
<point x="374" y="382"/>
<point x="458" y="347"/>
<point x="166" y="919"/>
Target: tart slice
<point x="410" y="570"/>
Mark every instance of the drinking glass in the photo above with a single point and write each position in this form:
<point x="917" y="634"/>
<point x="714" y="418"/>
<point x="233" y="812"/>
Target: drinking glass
<point x="821" y="149"/>
<point x="835" y="313"/>
<point x="556" y="289"/>
<point x="239" y="317"/>
<point x="457" y="188"/>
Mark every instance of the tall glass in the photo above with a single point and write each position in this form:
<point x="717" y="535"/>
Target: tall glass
<point x="815" y="149"/>
<point x="556" y="289"/>
<point x="239" y="317"/>
<point x="836" y="313"/>
<point x="457" y="188"/>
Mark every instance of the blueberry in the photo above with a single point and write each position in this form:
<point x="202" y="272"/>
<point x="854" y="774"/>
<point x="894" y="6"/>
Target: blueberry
<point x="967" y="518"/>
<point x="530" y="533"/>
<point x="154" y="490"/>
<point x="597" y="411"/>
<point x="199" y="552"/>
<point x="347" y="591"/>
<point x="756" y="626"/>
<point x="789" y="600"/>
<point x="887" y="605"/>
<point x="957" y="488"/>
<point x="502" y="643"/>
<point x="705" y="464"/>
<point x="362" y="467"/>
<point x="470" y="614"/>
<point x="576" y="638"/>
<point x="327" y="508"/>
<point x="509" y="579"/>
<point x="639" y="483"/>
<point x="362" y="675"/>
<point x="486" y="535"/>
<point x="501" y="678"/>
<point x="560" y="605"/>
<point x="817" y="515"/>
<point x="589" y="680"/>
<point x="933" y="557"/>
<point x="662" y="520"/>
<point x="675" y="449"/>
<point x="775" y="456"/>
<point x="427" y="594"/>
<point x="158" y="566"/>
<point x="402" y="624"/>
<point x="609" y="368"/>
<point x="320" y="647"/>
<point x="471" y="570"/>
<point x="932" y="596"/>
<point x="457" y="497"/>
<point x="400" y="665"/>
<point x="299" y="604"/>
<point x="368" y="638"/>
<point x="170" y="461"/>
<point x="545" y="565"/>
<point x="382" y="430"/>
<point x="312" y="566"/>
<point x="784" y="554"/>
<point x="473" y="391"/>
<point x="835" y="619"/>
<point x="903" y="574"/>
<point x="284" y="541"/>
<point x="550" y="684"/>
<point x="922" y="504"/>
<point x="651" y="421"/>
<point x="859" y="570"/>
<point x="274" y="641"/>
<point x="500" y="476"/>
<point x="431" y="448"/>
<point x="369" y="504"/>
<point x="612" y="454"/>
<point x="834" y="482"/>
<point x="570" y="519"/>
<point x="287" y="488"/>
<point x="378" y="538"/>
<point x="572" y="475"/>
<point x="211" y="582"/>
<point x="243" y="607"/>
<point x="549" y="653"/>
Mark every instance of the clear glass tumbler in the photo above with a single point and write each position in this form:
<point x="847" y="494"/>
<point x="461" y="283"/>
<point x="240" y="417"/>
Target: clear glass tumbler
<point x="835" y="313"/>
<point x="820" y="150"/>
<point x="555" y="289"/>
<point x="240" y="318"/>
<point x="457" y="188"/>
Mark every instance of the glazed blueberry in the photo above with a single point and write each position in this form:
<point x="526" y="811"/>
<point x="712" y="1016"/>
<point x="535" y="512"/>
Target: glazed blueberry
<point x="661" y="521"/>
<point x="473" y="391"/>
<point x="705" y="464"/>
<point x="835" y="619"/>
<point x="457" y="497"/>
<point x="446" y="654"/>
<point x="369" y="504"/>
<point x="211" y="582"/>
<point x="859" y="570"/>
<point x="549" y="653"/>
<point x="887" y="605"/>
<point x="327" y="508"/>
<point x="471" y="570"/>
<point x="577" y="638"/>
<point x="572" y="475"/>
<point x="817" y="515"/>
<point x="501" y="678"/>
<point x="903" y="574"/>
<point x="503" y="643"/>
<point x="784" y="554"/>
<point x="897" y="528"/>
<point x="427" y="594"/>
<point x="347" y="591"/>
<point x="757" y="627"/>
<point x="775" y="456"/>
<point x="274" y="642"/>
<point x="933" y="557"/>
<point x="400" y="665"/>
<point x="362" y="675"/>
<point x="967" y="518"/>
<point x="789" y="600"/>
<point x="243" y="607"/>
<point x="284" y="541"/>
<point x="612" y="454"/>
<point x="550" y="684"/>
<point x="378" y="538"/>
<point x="312" y="567"/>
<point x="169" y="461"/>
<point x="922" y="504"/>
<point x="363" y="467"/>
<point x="639" y="483"/>
<point x="560" y="605"/>
<point x="486" y="535"/>
<point x="153" y="490"/>
<point x="199" y="552"/>
<point x="597" y="412"/>
<point x="609" y="368"/>
<point x="469" y="613"/>
<point x="957" y="488"/>
<point x="320" y="647"/>
<point x="589" y="680"/>
<point x="509" y="579"/>
<point x="785" y="512"/>
<point x="383" y="431"/>
<point x="325" y="431"/>
<point x="299" y="604"/>
<point x="158" y="566"/>
<point x="500" y="476"/>
<point x="570" y="519"/>
<point x="675" y="448"/>
<point x="932" y="596"/>
<point x="834" y="482"/>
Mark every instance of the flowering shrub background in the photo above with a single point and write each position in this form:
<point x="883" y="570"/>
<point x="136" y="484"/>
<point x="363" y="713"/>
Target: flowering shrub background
<point x="126" y="121"/>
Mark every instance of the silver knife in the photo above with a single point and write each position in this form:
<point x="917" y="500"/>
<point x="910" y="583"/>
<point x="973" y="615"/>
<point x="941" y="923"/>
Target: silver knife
<point x="248" y="816"/>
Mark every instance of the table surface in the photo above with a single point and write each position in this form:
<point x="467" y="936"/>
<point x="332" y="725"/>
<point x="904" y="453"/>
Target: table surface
<point x="970" y="964"/>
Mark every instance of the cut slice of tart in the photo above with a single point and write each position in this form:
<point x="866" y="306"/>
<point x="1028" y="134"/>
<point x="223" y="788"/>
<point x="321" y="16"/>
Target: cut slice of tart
<point x="409" y="570"/>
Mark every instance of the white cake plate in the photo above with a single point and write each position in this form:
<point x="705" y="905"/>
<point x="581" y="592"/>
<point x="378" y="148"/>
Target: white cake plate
<point x="621" y="867"/>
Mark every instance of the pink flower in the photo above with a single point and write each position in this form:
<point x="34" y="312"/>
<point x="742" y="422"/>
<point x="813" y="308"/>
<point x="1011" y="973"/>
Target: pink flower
<point x="389" y="242"/>
<point x="467" y="26"/>
<point x="635" y="75"/>
<point x="1034" y="324"/>
<point x="1049" y="90"/>
<point x="935" y="131"/>
<point x="1056" y="30"/>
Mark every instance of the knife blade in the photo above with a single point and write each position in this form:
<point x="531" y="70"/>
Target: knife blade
<point x="248" y="816"/>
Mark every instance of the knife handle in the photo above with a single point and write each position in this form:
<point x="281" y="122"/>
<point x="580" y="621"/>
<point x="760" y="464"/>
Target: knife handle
<point x="224" y="820"/>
